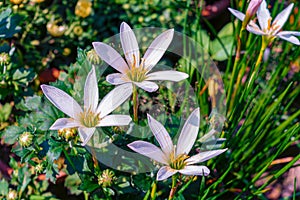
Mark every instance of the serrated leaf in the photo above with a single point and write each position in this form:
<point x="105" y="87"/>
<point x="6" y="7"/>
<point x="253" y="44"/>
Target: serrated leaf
<point x="12" y="133"/>
<point x="33" y="103"/>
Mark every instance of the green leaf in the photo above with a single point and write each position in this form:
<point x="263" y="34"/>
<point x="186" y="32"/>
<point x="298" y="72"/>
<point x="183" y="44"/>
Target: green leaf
<point x="5" y="112"/>
<point x="219" y="51"/>
<point x="3" y="187"/>
<point x="23" y="76"/>
<point x="23" y="178"/>
<point x="9" y="23"/>
<point x="72" y="182"/>
<point x="224" y="44"/>
<point x="33" y="103"/>
<point x="12" y="133"/>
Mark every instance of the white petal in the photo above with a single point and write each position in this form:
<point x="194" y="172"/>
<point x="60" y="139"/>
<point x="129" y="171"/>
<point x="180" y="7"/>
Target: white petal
<point x="116" y="79"/>
<point x="62" y="101"/>
<point x="129" y="45"/>
<point x="85" y="134"/>
<point x="147" y="86"/>
<point x="115" y="120"/>
<point x="263" y="16"/>
<point x="253" y="28"/>
<point x="281" y="18"/>
<point x="64" y="123"/>
<point x="188" y="133"/>
<point x="161" y="135"/>
<point x="204" y="156"/>
<point x="111" y="56"/>
<point x="295" y="33"/>
<point x="114" y="99"/>
<point x="165" y="172"/>
<point x="290" y="38"/>
<point x="195" y="170"/>
<point x="167" y="75"/>
<point x="237" y="14"/>
<point x="149" y="150"/>
<point x="91" y="93"/>
<point x="157" y="48"/>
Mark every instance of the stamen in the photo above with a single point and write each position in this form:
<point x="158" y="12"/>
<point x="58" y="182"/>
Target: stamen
<point x="88" y="118"/>
<point x="134" y="62"/>
<point x="269" y="23"/>
<point x="179" y="162"/>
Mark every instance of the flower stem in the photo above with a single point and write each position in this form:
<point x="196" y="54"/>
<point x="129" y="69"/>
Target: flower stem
<point x="135" y="104"/>
<point x="240" y="38"/>
<point x="257" y="64"/>
<point x="174" y="187"/>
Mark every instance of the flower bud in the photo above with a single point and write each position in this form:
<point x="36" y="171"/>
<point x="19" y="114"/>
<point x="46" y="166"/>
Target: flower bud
<point x="12" y="195"/>
<point x="107" y="178"/>
<point x="39" y="168"/>
<point x="56" y="30"/>
<point x="253" y="7"/>
<point x="4" y="59"/>
<point x="251" y="10"/>
<point x="16" y="2"/>
<point x="83" y="8"/>
<point x="77" y="30"/>
<point x="25" y="139"/>
<point x="67" y="133"/>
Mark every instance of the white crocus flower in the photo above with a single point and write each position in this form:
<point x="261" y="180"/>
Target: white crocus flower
<point x="268" y="29"/>
<point x="92" y="115"/>
<point x="175" y="157"/>
<point x="136" y="70"/>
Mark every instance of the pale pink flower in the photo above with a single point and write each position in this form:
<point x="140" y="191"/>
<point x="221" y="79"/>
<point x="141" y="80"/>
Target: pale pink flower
<point x="136" y="70"/>
<point x="92" y="115"/>
<point x="175" y="157"/>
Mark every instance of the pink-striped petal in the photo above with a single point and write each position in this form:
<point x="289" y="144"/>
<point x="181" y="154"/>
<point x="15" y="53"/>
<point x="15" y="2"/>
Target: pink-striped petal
<point x="290" y="38"/>
<point x="263" y="16"/>
<point x="62" y="101"/>
<point x="147" y="86"/>
<point x="64" y="123"/>
<point x="167" y="76"/>
<point x="86" y="134"/>
<point x="161" y="135"/>
<point x="204" y="156"/>
<point x="188" y="133"/>
<point x="193" y="170"/>
<point x="91" y="93"/>
<point x="129" y="45"/>
<point x="114" y="99"/>
<point x="157" y="48"/>
<point x="282" y="17"/>
<point x="237" y="14"/>
<point x="111" y="56"/>
<point x="165" y="172"/>
<point x="116" y="79"/>
<point x="149" y="150"/>
<point x="115" y="120"/>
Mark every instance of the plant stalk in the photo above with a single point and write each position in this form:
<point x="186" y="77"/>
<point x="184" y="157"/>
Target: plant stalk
<point x="135" y="104"/>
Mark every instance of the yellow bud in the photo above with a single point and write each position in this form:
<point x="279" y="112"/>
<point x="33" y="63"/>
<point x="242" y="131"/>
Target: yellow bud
<point x="16" y="2"/>
<point x="83" y="8"/>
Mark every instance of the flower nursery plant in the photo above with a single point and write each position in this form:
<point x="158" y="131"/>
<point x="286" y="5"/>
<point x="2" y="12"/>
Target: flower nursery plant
<point x="149" y="99"/>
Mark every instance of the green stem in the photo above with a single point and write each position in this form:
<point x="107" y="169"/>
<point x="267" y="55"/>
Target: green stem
<point x="135" y="104"/>
<point x="235" y="65"/>
<point x="257" y="64"/>
<point x="174" y="187"/>
<point x="69" y="159"/>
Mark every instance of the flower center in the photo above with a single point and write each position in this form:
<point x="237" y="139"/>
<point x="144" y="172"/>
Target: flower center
<point x="137" y="74"/>
<point x="178" y="162"/>
<point x="89" y="118"/>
